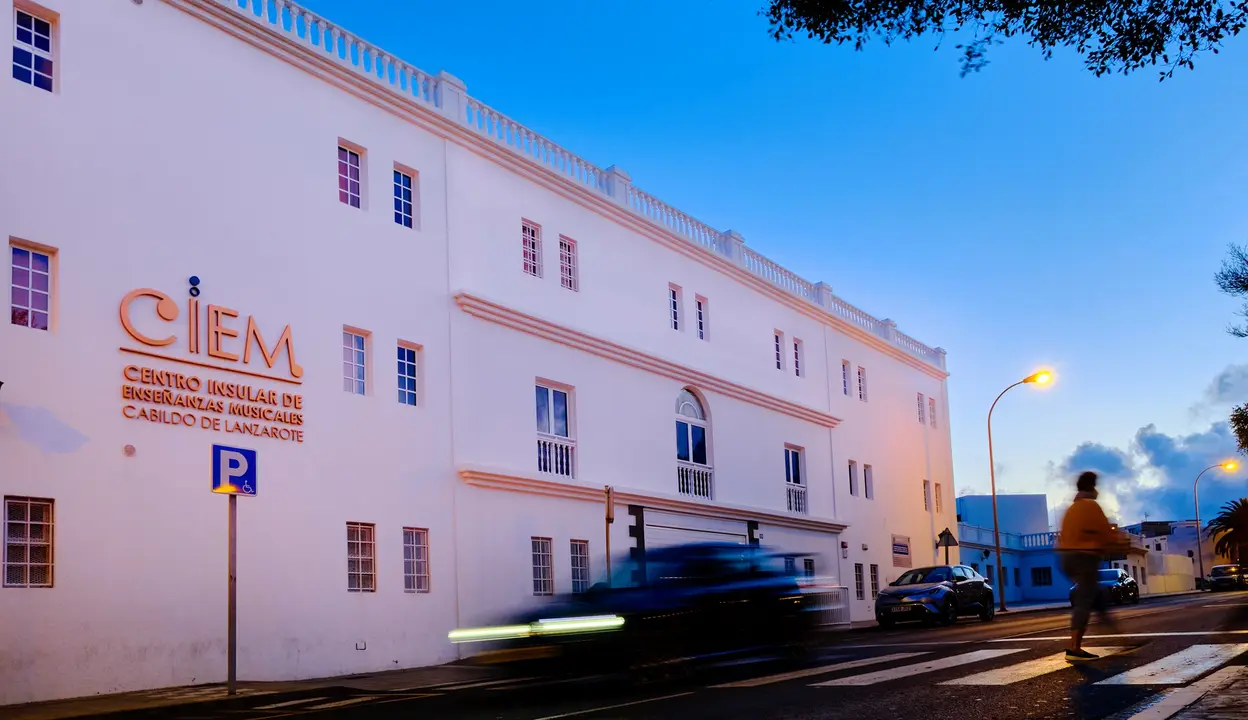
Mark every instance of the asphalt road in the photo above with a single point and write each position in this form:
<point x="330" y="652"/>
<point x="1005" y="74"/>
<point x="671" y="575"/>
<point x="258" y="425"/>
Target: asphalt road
<point x="1008" y="669"/>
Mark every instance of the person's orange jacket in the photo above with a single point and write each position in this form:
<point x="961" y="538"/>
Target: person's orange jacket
<point x="1086" y="528"/>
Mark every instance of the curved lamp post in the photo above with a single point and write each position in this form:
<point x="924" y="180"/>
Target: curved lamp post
<point x="1200" y="553"/>
<point x="1040" y="378"/>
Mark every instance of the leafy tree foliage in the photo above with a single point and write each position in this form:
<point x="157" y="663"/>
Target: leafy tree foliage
<point x="1230" y="527"/>
<point x="1233" y="280"/>
<point x="1112" y="36"/>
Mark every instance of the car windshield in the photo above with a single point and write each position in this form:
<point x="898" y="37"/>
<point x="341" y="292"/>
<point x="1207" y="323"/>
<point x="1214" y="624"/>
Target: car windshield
<point x="1223" y="570"/>
<point x="1109" y="574"/>
<point x="924" y="575"/>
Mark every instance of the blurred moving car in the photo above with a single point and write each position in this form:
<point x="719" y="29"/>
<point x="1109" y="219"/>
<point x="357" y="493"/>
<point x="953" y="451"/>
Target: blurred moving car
<point x="1226" y="577"/>
<point x="1116" y="585"/>
<point x="940" y="593"/>
<point x="674" y="604"/>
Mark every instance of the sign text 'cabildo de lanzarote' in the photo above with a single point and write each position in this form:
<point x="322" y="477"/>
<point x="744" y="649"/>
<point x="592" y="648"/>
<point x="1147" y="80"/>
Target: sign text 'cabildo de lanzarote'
<point x="190" y="399"/>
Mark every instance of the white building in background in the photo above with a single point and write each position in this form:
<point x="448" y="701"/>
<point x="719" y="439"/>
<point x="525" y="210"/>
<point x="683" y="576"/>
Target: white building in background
<point x="440" y="333"/>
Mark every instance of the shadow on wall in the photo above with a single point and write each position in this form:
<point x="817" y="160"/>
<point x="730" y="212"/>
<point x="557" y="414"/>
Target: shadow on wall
<point x="40" y="427"/>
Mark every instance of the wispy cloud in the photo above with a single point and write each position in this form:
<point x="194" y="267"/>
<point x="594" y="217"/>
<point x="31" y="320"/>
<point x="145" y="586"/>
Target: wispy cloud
<point x="1153" y="474"/>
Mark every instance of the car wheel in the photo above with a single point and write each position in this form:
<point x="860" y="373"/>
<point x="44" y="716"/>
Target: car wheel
<point x="949" y="613"/>
<point x="990" y="610"/>
<point x="1135" y="598"/>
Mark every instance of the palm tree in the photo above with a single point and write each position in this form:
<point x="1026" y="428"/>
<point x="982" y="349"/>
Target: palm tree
<point x="1230" y="527"/>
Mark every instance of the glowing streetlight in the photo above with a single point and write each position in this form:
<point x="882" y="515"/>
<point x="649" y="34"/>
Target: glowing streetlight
<point x="1042" y="377"/>
<point x="1228" y="466"/>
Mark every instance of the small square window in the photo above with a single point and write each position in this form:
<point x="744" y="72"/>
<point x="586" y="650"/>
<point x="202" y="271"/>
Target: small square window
<point x="349" y="183"/>
<point x="32" y="50"/>
<point x="353" y="362"/>
<point x="404" y="207"/>
<point x="408" y="360"/>
<point x="415" y="560"/>
<point x="27" y="542"/>
<point x="543" y="567"/>
<point x="567" y="264"/>
<point x="580" y="566"/>
<point x="361" y="557"/>
<point x="30" y="293"/>
<point x="531" y="245"/>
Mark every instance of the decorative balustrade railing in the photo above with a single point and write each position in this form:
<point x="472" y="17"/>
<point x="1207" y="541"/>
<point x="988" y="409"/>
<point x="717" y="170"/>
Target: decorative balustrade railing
<point x="446" y="95"/>
<point x="556" y="455"/>
<point x="694" y="480"/>
<point x="797" y="498"/>
<point x="984" y="536"/>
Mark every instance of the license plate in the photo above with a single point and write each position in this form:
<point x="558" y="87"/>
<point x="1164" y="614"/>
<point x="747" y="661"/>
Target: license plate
<point x="899" y="608"/>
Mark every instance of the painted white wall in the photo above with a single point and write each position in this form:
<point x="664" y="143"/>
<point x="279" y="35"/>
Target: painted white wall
<point x="1018" y="513"/>
<point x="220" y="162"/>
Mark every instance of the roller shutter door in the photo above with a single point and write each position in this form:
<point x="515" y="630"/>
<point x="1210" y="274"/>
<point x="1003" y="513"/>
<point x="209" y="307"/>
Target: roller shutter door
<point x="666" y="535"/>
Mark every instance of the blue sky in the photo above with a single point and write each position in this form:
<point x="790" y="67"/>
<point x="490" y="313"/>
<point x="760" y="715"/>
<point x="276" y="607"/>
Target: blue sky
<point x="1030" y="214"/>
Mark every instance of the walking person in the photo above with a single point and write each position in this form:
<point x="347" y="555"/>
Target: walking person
<point x="1086" y="538"/>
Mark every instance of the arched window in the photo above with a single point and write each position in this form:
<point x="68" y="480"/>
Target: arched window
<point x="690" y="429"/>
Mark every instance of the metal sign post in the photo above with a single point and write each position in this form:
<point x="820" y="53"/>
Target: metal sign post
<point x="233" y="474"/>
<point x="610" y="493"/>
<point x="946" y="539"/>
<point x="232" y="612"/>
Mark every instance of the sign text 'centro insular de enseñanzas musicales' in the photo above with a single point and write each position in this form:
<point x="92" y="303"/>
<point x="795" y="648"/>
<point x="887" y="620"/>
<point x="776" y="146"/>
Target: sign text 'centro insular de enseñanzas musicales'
<point x="172" y="397"/>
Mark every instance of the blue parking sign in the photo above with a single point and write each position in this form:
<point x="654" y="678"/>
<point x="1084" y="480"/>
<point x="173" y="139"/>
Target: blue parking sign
<point x="233" y="470"/>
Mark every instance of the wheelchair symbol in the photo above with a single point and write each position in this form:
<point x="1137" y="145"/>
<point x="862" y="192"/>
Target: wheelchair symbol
<point x="247" y="489"/>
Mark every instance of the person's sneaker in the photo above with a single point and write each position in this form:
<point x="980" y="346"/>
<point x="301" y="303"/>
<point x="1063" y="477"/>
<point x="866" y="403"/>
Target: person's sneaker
<point x="1073" y="656"/>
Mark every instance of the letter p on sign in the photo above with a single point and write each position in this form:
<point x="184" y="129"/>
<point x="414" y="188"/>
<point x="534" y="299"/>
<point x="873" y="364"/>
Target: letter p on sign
<point x="233" y="470"/>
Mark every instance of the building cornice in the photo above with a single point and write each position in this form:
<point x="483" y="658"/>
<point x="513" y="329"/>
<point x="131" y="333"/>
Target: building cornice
<point x="429" y="111"/>
<point x="510" y="482"/>
<point x="488" y="310"/>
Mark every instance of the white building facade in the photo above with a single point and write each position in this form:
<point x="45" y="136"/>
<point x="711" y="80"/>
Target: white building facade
<point x="441" y="334"/>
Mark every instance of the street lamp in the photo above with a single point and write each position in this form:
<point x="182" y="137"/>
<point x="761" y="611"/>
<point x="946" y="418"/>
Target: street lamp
<point x="1042" y="377"/>
<point x="1229" y="465"/>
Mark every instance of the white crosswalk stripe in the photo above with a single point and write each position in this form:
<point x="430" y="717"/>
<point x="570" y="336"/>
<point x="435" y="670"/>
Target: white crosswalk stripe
<point x="1026" y="670"/>
<point x="905" y="671"/>
<point x="344" y="703"/>
<point x="821" y="670"/>
<point x="1179" y="668"/>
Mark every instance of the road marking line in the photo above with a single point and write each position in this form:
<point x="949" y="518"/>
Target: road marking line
<point x="545" y="683"/>
<point x="465" y="686"/>
<point x="1026" y="670"/>
<point x="611" y="707"/>
<point x="821" y="670"/>
<point x="288" y="703"/>
<point x="1227" y="604"/>
<point x="344" y="703"/>
<point x="1176" y="700"/>
<point x="1124" y="635"/>
<point x="879" y="676"/>
<point x="1179" y="667"/>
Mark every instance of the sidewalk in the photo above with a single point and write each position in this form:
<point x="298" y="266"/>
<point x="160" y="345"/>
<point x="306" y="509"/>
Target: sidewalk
<point x="390" y="680"/>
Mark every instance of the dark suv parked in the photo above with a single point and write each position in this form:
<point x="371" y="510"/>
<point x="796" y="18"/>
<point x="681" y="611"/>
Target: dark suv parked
<point x="1116" y="585"/>
<point x="1226" y="577"/>
<point x="941" y="593"/>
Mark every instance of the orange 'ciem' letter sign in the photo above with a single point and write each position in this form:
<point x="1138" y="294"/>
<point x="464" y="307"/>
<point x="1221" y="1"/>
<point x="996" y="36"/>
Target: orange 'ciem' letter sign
<point x="166" y="308"/>
<point x="271" y="357"/>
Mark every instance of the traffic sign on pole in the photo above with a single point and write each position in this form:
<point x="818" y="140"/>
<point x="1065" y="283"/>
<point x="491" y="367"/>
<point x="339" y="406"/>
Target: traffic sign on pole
<point x="233" y="471"/>
<point x="233" y="474"/>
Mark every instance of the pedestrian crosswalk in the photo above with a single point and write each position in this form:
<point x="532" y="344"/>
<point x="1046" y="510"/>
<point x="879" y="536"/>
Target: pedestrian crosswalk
<point x="1176" y="668"/>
